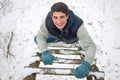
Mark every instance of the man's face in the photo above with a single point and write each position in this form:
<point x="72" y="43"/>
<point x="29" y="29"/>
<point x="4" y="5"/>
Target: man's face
<point x="59" y="19"/>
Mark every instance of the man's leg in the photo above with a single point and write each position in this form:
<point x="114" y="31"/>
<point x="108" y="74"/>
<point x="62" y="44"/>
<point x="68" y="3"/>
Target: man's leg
<point x="50" y="39"/>
<point x="35" y="40"/>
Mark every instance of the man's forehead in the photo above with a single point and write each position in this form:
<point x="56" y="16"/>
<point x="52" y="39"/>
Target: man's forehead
<point x="58" y="14"/>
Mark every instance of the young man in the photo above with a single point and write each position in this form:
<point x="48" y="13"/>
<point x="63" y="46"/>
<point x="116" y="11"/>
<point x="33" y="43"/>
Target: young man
<point x="61" y="24"/>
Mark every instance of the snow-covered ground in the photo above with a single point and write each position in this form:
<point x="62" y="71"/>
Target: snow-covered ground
<point x="23" y="17"/>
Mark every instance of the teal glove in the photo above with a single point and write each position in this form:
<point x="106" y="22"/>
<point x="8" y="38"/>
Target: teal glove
<point x="82" y="70"/>
<point x="48" y="58"/>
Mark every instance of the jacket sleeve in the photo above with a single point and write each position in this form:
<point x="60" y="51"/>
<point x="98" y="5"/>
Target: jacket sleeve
<point x="87" y="43"/>
<point x="42" y="37"/>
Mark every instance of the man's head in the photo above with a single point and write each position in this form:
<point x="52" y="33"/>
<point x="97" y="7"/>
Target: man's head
<point x="59" y="13"/>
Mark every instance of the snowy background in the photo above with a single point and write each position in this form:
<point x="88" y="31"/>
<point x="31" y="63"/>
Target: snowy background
<point x="20" y="20"/>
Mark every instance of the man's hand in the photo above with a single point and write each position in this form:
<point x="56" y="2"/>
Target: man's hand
<point x="82" y="70"/>
<point x="48" y="58"/>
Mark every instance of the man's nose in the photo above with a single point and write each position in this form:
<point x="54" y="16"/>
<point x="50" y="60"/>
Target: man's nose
<point x="58" y="20"/>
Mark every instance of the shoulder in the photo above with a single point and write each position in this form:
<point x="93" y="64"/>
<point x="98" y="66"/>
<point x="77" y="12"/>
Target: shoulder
<point x="43" y="26"/>
<point x="82" y="30"/>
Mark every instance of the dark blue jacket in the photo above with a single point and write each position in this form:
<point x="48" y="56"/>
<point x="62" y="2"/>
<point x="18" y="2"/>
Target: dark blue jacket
<point x="69" y="32"/>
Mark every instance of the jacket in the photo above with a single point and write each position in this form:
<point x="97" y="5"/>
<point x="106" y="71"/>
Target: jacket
<point x="69" y="33"/>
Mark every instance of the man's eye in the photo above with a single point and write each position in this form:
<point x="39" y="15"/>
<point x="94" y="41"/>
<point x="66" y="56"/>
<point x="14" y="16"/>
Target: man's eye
<point x="62" y="16"/>
<point x="55" y="17"/>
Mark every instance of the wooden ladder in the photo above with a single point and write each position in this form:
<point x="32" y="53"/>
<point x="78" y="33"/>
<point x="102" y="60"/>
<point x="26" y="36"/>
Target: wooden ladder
<point x="68" y="59"/>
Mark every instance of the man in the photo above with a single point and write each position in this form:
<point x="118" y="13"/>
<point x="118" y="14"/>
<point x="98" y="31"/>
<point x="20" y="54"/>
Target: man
<point x="61" y="24"/>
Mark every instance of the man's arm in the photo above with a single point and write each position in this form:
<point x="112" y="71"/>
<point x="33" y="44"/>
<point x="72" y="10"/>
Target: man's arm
<point x="42" y="37"/>
<point x="87" y="43"/>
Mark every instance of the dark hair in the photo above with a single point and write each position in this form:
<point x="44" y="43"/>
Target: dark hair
<point x="59" y="7"/>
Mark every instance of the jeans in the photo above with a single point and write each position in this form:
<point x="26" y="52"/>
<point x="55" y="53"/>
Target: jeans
<point x="50" y="39"/>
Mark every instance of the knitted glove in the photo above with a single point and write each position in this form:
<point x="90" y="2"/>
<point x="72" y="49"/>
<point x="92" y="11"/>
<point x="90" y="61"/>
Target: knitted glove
<point x="48" y="58"/>
<point x="82" y="70"/>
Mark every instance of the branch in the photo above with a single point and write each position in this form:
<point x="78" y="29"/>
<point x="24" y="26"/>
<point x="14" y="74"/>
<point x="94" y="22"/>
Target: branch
<point x="8" y="45"/>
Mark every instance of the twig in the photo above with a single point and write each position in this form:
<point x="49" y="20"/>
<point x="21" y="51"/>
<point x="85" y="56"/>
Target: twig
<point x="8" y="45"/>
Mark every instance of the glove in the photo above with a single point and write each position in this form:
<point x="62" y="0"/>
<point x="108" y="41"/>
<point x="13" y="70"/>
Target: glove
<point x="48" y="58"/>
<point x="82" y="70"/>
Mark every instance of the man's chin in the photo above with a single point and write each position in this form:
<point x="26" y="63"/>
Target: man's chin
<point x="60" y="27"/>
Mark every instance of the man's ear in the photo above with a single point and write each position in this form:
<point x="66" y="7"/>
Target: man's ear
<point x="67" y="16"/>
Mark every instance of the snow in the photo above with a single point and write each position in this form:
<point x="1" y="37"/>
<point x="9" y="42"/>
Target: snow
<point x="23" y="17"/>
<point x="98" y="75"/>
